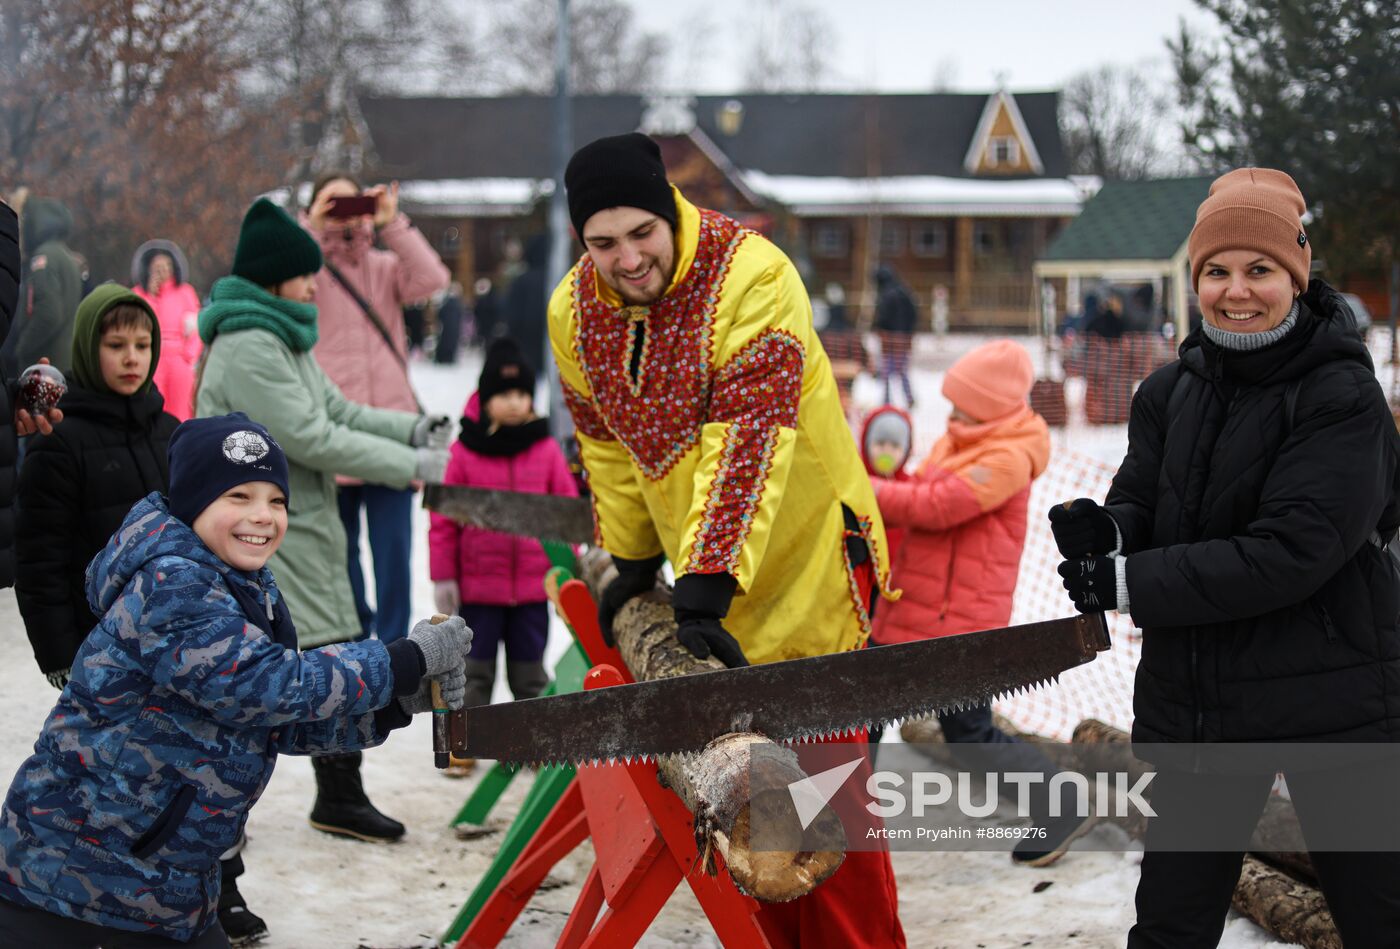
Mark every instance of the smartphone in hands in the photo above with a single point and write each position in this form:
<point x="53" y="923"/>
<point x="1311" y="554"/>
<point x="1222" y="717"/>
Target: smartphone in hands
<point x="352" y="205"/>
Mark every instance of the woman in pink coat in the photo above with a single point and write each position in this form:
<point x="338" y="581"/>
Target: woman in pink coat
<point x="159" y="276"/>
<point x="496" y="581"/>
<point x="370" y="369"/>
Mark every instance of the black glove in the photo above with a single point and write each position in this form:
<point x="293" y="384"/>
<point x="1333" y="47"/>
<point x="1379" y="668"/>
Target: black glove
<point x="634" y="577"/>
<point x="704" y="635"/>
<point x="701" y="600"/>
<point x="1092" y="583"/>
<point x="1081" y="528"/>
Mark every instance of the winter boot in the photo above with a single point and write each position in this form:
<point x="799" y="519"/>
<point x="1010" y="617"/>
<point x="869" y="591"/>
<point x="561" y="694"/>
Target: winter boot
<point x="241" y="925"/>
<point x="1052" y="835"/>
<point x="1060" y="832"/>
<point x="341" y="805"/>
<point x="526" y="679"/>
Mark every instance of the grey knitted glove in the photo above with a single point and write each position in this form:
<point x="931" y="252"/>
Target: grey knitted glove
<point x="454" y="692"/>
<point x="420" y="701"/>
<point x="454" y="687"/>
<point x="432" y="431"/>
<point x="444" y="645"/>
<point x="432" y="464"/>
<point x="59" y="678"/>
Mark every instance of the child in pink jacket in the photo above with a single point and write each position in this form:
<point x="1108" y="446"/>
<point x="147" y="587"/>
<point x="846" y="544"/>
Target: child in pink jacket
<point x="496" y="581"/>
<point x="160" y="276"/>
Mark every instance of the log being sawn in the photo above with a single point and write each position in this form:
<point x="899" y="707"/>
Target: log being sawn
<point x="739" y="779"/>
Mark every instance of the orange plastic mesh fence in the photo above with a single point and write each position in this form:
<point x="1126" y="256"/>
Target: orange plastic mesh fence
<point x="1101" y="689"/>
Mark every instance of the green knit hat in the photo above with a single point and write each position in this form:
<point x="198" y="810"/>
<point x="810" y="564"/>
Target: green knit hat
<point x="272" y="247"/>
<point x="87" y="335"/>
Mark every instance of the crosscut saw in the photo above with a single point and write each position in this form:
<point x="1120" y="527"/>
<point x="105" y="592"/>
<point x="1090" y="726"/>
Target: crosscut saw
<point x="799" y="700"/>
<point x="542" y="516"/>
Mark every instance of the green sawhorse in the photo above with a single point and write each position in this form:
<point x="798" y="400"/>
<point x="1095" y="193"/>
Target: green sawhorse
<point x="550" y="783"/>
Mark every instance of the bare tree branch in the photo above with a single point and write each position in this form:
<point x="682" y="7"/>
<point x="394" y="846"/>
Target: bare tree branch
<point x="791" y="48"/>
<point x="1112" y="122"/>
<point x="608" y="53"/>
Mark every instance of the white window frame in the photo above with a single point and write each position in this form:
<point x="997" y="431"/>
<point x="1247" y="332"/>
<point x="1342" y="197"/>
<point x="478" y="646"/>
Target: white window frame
<point x="831" y="239"/>
<point x="934" y="249"/>
<point x="1013" y="151"/>
<point x="985" y="241"/>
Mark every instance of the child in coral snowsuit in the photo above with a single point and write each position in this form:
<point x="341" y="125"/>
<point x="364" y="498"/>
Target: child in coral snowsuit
<point x="964" y="509"/>
<point x="496" y="581"/>
<point x="962" y="517"/>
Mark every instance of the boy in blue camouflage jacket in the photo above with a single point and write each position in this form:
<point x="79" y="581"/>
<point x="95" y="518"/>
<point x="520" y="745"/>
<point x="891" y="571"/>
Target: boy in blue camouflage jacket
<point x="181" y="699"/>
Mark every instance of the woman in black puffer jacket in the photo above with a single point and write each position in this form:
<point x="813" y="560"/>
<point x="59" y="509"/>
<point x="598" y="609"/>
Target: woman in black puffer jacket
<point x="1245" y="532"/>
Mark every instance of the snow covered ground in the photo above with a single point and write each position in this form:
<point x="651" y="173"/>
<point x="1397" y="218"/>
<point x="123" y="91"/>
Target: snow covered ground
<point x="319" y="892"/>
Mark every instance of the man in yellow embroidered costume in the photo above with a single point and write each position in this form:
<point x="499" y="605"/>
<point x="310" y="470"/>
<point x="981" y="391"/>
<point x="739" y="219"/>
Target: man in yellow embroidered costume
<point x="711" y="428"/>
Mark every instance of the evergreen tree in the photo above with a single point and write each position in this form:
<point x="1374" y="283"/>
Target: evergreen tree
<point x="1311" y="87"/>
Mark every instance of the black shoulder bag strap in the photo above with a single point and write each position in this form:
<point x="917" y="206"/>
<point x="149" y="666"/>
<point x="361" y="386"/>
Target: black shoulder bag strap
<point x="378" y="324"/>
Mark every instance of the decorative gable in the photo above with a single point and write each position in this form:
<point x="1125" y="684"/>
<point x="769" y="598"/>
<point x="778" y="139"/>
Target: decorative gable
<point x="1002" y="145"/>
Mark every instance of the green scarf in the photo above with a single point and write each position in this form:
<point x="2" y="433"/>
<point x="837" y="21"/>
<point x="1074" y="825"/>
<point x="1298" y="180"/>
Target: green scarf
<point x="239" y="304"/>
<point x="87" y="335"/>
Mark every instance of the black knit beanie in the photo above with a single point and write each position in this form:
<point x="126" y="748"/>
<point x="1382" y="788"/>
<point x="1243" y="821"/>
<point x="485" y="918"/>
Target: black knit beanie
<point x="272" y="247"/>
<point x="207" y="456"/>
<point x="620" y="171"/>
<point x="505" y="368"/>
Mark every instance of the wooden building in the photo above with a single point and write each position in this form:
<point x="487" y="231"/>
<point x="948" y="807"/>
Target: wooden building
<point x="959" y="191"/>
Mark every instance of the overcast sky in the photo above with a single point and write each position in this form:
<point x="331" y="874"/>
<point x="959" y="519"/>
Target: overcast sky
<point x="917" y="45"/>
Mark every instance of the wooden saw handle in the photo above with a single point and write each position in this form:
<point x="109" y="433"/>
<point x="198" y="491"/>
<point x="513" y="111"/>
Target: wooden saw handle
<point x="442" y="755"/>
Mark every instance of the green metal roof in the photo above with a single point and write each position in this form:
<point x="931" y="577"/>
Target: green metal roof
<point x="1132" y="220"/>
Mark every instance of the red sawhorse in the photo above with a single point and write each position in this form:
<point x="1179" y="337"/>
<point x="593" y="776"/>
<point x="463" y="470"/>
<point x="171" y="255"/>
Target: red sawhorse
<point x="643" y="841"/>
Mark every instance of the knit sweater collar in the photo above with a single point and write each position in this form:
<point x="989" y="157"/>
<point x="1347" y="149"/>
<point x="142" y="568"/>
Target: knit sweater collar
<point x="1249" y="342"/>
<point x="239" y="304"/>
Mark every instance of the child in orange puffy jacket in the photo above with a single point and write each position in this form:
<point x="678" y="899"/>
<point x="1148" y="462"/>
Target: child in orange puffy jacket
<point x="962" y="516"/>
<point x="964" y="509"/>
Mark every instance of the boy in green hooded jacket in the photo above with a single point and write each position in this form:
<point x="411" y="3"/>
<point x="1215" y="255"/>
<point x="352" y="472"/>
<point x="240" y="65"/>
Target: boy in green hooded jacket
<point x="77" y="485"/>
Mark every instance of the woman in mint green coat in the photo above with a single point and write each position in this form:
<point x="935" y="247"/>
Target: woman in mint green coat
<point x="258" y="332"/>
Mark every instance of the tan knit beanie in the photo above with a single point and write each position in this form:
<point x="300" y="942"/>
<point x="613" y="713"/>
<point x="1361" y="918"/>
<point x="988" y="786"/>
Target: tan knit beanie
<point x="1257" y="209"/>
